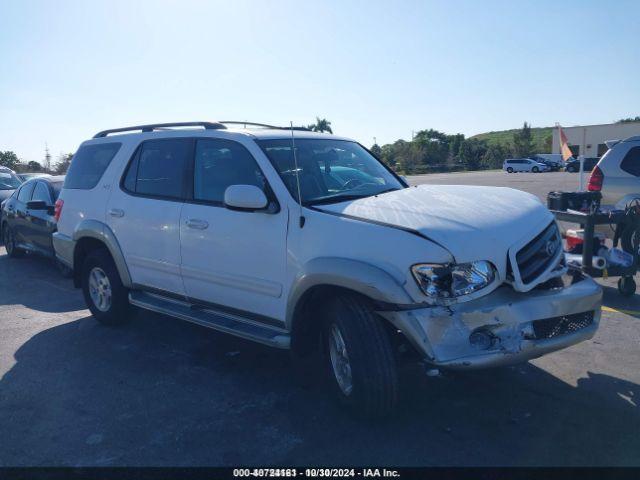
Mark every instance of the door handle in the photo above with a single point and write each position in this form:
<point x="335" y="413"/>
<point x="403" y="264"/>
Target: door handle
<point x="197" y="224"/>
<point x="116" y="212"/>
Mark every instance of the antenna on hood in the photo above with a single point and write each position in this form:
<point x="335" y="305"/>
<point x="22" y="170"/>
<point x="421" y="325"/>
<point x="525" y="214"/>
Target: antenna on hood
<point x="295" y="165"/>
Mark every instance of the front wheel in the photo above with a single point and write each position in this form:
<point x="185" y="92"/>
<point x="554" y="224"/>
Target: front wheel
<point x="103" y="291"/>
<point x="535" y="169"/>
<point x="626" y="286"/>
<point x="509" y="170"/>
<point x="571" y="169"/>
<point x="10" y="243"/>
<point x="359" y="358"/>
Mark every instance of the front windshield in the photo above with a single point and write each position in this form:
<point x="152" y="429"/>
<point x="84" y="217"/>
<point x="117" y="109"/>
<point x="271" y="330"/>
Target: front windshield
<point x="329" y="170"/>
<point x="8" y="181"/>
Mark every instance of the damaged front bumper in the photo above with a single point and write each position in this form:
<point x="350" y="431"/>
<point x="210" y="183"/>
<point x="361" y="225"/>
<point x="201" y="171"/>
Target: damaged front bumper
<point x="505" y="326"/>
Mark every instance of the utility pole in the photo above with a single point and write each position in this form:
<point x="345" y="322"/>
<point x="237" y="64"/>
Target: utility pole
<point x="375" y="142"/>
<point x="47" y="157"/>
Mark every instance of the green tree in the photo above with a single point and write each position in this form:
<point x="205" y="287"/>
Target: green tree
<point x="9" y="159"/>
<point x="433" y="145"/>
<point x="523" y="142"/>
<point x="64" y="160"/>
<point x="376" y="150"/>
<point x="629" y="120"/>
<point x="494" y="156"/>
<point x="471" y="153"/>
<point x="321" y="125"/>
<point x="33" y="166"/>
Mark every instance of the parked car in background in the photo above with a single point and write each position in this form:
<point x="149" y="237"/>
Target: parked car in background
<point x="27" y="219"/>
<point x="29" y="175"/>
<point x="286" y="241"/>
<point x="553" y="164"/>
<point x="573" y="166"/>
<point x="9" y="181"/>
<point x="549" y="157"/>
<point x="617" y="174"/>
<point x="512" y="165"/>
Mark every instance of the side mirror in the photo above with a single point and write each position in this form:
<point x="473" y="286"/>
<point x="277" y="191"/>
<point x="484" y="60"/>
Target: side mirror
<point x="404" y="179"/>
<point x="245" y="197"/>
<point x="37" y="205"/>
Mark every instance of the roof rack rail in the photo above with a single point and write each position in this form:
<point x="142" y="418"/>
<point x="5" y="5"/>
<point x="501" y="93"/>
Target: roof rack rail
<point x="253" y="124"/>
<point x="158" y="126"/>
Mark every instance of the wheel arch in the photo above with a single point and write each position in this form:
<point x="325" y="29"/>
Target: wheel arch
<point x="92" y="234"/>
<point x="324" y="278"/>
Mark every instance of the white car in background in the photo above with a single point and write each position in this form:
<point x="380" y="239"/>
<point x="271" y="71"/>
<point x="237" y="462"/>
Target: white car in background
<point x="512" y="165"/>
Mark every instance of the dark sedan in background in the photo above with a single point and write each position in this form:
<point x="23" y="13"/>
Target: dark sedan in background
<point x="27" y="218"/>
<point x="573" y="166"/>
<point x="9" y="181"/>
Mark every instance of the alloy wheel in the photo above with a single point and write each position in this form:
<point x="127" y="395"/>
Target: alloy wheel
<point x="100" y="289"/>
<point x="340" y="360"/>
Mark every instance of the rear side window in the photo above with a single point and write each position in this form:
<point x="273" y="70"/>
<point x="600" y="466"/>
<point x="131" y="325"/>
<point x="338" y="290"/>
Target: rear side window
<point x="89" y="164"/>
<point x="41" y="193"/>
<point x="220" y="164"/>
<point x="24" y="195"/>
<point x="631" y="162"/>
<point x="158" y="168"/>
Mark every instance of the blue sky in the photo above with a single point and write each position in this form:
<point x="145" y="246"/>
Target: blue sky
<point x="374" y="68"/>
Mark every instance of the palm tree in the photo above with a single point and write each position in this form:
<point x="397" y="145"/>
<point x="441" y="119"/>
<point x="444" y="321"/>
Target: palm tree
<point x="321" y="125"/>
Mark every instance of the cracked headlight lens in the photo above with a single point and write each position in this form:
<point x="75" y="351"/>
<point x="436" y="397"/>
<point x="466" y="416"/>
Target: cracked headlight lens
<point x="449" y="281"/>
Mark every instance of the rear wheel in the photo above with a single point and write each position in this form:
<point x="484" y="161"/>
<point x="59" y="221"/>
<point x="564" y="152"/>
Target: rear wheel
<point x="571" y="169"/>
<point x="10" y="243"/>
<point x="102" y="288"/>
<point x="359" y="358"/>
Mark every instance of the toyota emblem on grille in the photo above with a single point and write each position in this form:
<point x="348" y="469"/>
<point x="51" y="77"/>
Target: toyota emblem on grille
<point x="550" y="248"/>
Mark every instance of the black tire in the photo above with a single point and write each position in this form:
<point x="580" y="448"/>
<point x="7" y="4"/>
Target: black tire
<point x="509" y="170"/>
<point x="571" y="169"/>
<point x="9" y="243"/>
<point x="119" y="309"/>
<point x="374" y="378"/>
<point x="626" y="286"/>
<point x="535" y="169"/>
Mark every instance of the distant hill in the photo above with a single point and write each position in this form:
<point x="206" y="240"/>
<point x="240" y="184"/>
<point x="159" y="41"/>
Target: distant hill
<point x="541" y="136"/>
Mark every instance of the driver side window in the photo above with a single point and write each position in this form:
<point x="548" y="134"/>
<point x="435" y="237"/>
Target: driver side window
<point x="218" y="165"/>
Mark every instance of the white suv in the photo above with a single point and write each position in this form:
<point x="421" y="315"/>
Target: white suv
<point x="305" y="241"/>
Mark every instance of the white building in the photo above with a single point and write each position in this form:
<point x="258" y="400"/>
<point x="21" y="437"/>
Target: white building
<point x="588" y="140"/>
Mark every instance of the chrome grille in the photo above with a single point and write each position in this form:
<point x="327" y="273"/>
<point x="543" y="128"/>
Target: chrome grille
<point x="537" y="255"/>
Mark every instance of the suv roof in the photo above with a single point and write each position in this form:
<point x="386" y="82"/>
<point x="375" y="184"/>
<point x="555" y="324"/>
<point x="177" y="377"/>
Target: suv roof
<point x="256" y="130"/>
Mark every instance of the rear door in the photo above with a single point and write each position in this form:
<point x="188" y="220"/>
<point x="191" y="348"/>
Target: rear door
<point x="19" y="224"/>
<point x="40" y="223"/>
<point x="232" y="259"/>
<point x="144" y="212"/>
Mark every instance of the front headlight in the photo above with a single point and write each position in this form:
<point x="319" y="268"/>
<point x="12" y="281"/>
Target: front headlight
<point x="449" y="281"/>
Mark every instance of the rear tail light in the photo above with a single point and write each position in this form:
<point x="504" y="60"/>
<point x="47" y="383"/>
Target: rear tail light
<point x="57" y="210"/>
<point x="595" y="180"/>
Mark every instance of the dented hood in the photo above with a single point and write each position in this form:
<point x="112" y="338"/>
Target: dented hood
<point x="473" y="223"/>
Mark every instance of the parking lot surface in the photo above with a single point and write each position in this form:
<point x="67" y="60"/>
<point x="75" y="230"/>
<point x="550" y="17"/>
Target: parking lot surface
<point x="162" y="392"/>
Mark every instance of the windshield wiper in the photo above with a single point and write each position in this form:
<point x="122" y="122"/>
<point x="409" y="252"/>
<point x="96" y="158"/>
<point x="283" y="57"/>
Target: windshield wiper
<point x="345" y="197"/>
<point x="392" y="189"/>
<point x="335" y="199"/>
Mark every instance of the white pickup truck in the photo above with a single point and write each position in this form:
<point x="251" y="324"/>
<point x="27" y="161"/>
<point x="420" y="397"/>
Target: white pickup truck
<point x="305" y="241"/>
